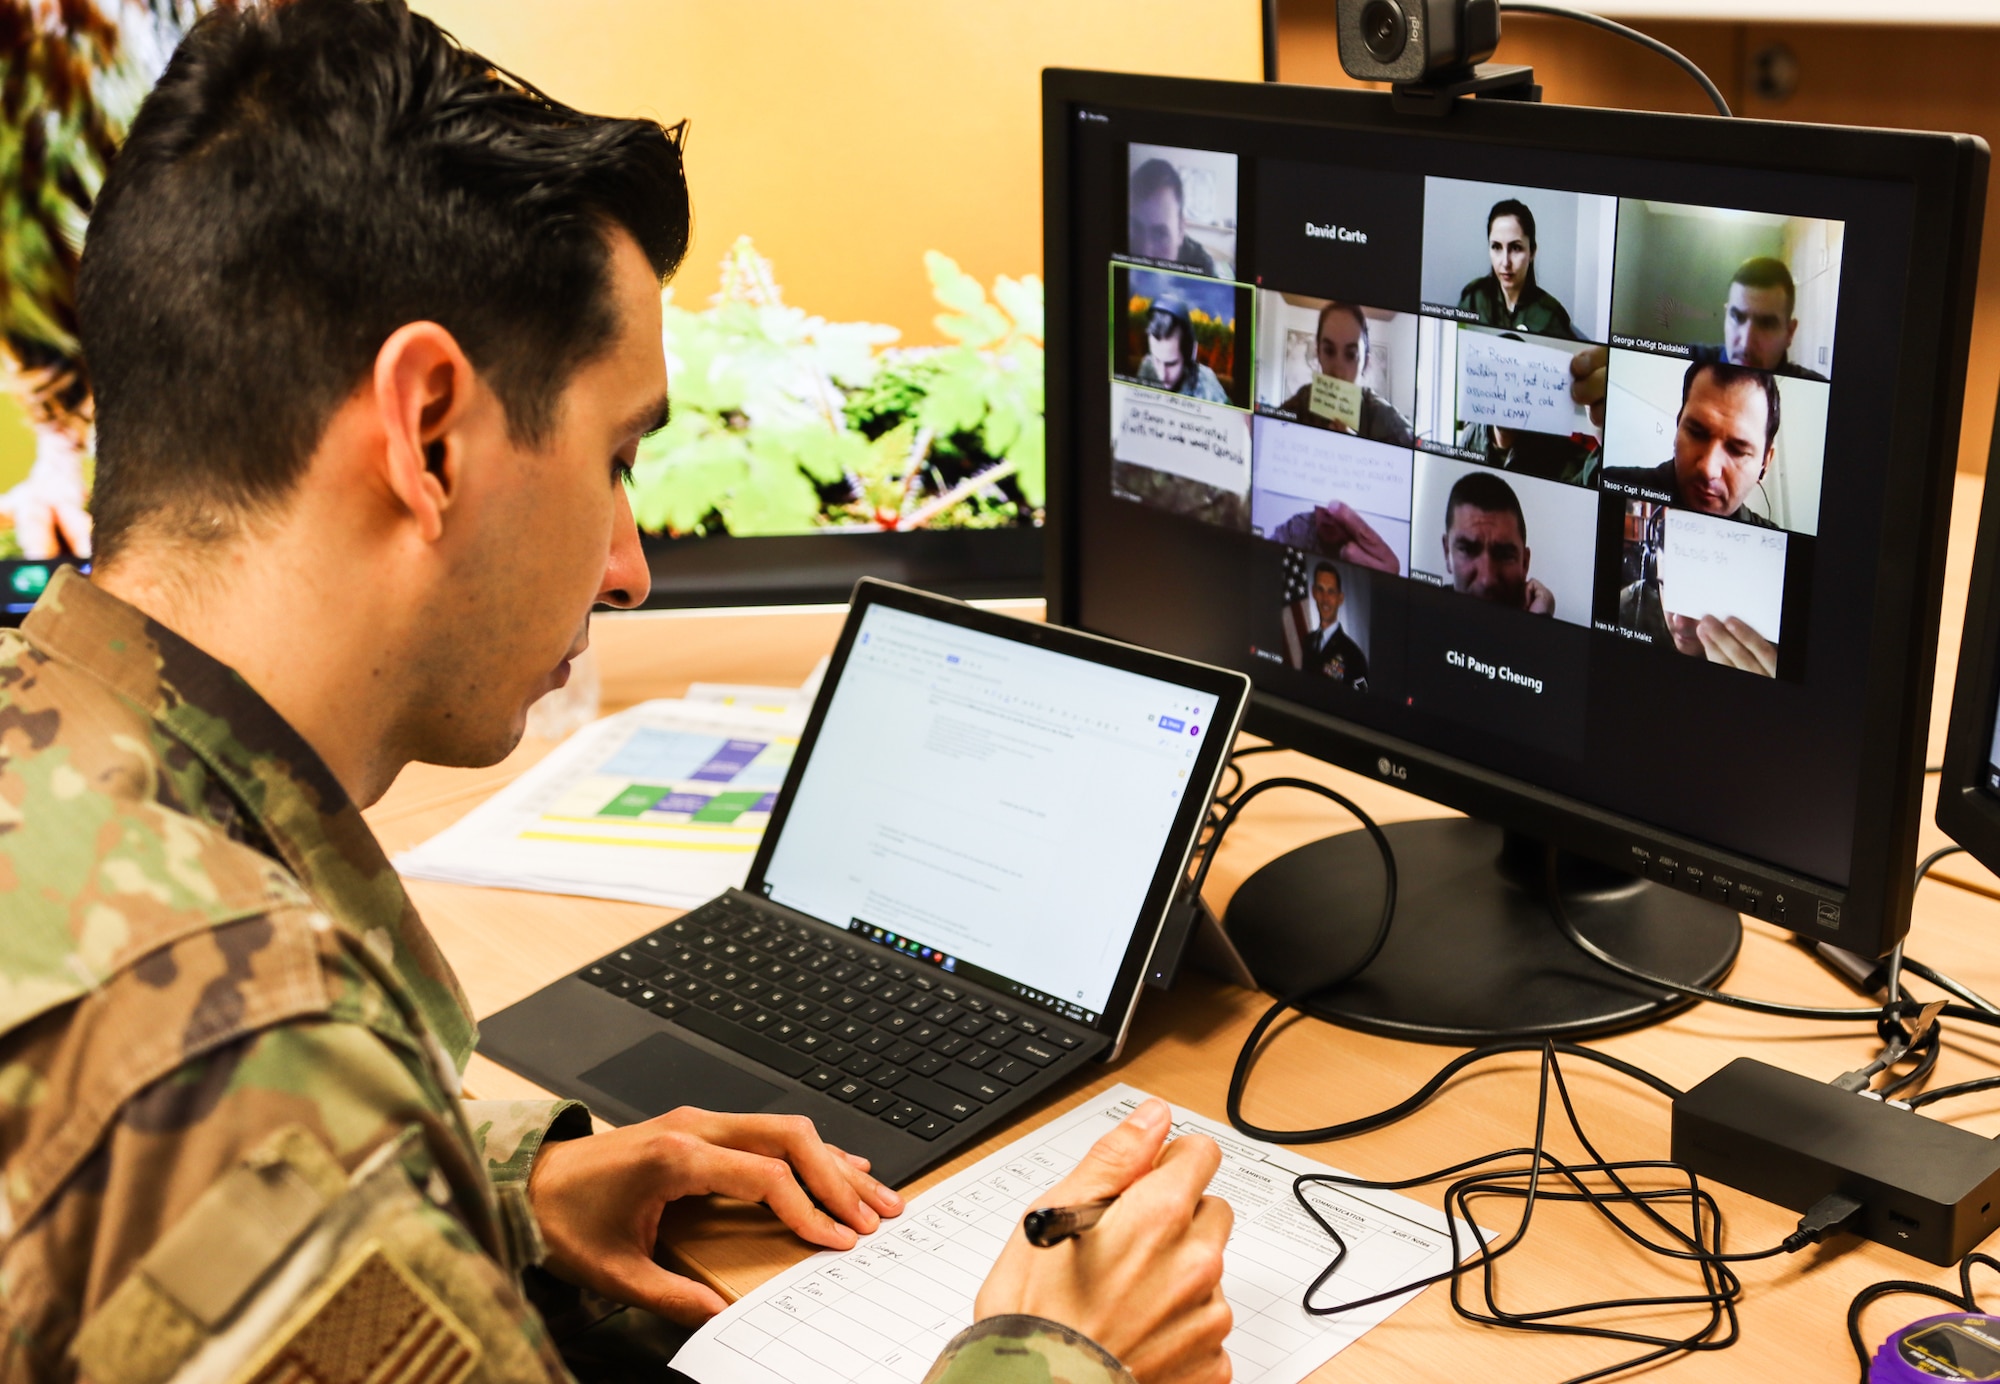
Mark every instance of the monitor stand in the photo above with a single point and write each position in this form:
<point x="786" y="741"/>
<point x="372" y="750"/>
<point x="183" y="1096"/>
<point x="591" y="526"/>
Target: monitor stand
<point x="1473" y="952"/>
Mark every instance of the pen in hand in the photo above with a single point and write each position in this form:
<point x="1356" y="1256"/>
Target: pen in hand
<point x="1051" y="1225"/>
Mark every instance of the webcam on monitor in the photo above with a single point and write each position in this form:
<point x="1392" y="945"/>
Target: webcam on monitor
<point x="1415" y="40"/>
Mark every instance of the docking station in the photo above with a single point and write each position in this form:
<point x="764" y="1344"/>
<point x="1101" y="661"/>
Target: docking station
<point x="1926" y="1188"/>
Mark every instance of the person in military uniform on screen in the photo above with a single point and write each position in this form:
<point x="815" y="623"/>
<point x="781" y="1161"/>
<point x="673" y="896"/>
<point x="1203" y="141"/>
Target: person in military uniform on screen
<point x="1333" y="650"/>
<point x="1340" y="349"/>
<point x="1725" y="439"/>
<point x="374" y="331"/>
<point x="1486" y="545"/>
<point x="1508" y="296"/>
<point x="1170" y="361"/>
<point x="1758" y="321"/>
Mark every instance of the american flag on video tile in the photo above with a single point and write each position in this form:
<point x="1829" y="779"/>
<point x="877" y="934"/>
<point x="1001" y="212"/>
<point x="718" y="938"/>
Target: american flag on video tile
<point x="1301" y="617"/>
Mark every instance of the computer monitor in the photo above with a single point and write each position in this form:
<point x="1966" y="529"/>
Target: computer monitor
<point x="1968" y="804"/>
<point x="1311" y="416"/>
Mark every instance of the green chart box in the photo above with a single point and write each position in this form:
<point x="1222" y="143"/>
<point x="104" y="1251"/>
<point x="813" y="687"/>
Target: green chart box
<point x="634" y="800"/>
<point x="727" y="807"/>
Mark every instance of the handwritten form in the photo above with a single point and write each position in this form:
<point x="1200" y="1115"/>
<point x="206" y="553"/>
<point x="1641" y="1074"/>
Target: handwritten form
<point x="1516" y="384"/>
<point x="883" y="1310"/>
<point x="1713" y="566"/>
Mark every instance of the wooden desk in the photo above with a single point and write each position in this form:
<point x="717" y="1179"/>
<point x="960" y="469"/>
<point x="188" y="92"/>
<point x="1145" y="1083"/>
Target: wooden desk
<point x="506" y="944"/>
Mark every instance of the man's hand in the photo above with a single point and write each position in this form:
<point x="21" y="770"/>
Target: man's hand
<point x="1145" y="1282"/>
<point x="1736" y="645"/>
<point x="1591" y="367"/>
<point x="599" y="1199"/>
<point x="1538" y="599"/>
<point x="1347" y="536"/>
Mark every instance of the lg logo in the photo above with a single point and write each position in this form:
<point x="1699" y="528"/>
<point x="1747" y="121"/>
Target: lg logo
<point x="1390" y="770"/>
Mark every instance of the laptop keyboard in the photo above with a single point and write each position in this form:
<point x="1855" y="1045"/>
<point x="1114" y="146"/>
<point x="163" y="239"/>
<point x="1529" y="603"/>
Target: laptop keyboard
<point x="909" y="1045"/>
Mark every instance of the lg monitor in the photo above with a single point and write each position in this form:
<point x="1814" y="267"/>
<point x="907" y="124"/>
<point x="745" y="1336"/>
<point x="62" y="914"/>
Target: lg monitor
<point x="1583" y="471"/>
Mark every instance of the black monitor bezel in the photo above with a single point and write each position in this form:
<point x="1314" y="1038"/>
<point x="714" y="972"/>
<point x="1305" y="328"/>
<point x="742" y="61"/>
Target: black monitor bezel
<point x="821" y="568"/>
<point x="1230" y="689"/>
<point x="1947" y="175"/>
<point x="1967" y="811"/>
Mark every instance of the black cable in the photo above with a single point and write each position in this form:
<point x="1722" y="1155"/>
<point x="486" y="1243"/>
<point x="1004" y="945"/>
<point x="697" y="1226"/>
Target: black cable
<point x="1963" y="1300"/>
<point x="1924" y="865"/>
<point x="1961" y="1088"/>
<point x="1950" y="986"/>
<point x="1612" y="26"/>
<point x="1699" y="1243"/>
<point x="1700" y="992"/>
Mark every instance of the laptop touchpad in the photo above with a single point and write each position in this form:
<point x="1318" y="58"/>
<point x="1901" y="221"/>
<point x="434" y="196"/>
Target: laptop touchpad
<point x="659" y="1073"/>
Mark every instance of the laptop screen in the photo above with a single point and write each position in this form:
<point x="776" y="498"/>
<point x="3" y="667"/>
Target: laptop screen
<point x="989" y="807"/>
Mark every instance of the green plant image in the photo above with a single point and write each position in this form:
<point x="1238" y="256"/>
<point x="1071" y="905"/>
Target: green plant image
<point x="785" y="423"/>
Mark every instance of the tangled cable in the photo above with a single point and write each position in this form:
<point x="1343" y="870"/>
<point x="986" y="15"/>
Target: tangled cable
<point x="1698" y="1242"/>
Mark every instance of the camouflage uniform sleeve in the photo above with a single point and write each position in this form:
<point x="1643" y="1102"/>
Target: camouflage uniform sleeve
<point x="1024" y="1350"/>
<point x="510" y="1133"/>
<point x="275" y="1203"/>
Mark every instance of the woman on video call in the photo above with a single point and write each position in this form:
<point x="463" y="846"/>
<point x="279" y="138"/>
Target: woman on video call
<point x="1508" y="296"/>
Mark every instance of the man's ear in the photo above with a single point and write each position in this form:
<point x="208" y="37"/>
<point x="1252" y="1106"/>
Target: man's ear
<point x="423" y="387"/>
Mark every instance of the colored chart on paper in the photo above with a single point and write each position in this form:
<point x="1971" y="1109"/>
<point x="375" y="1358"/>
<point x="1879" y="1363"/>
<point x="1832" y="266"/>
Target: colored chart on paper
<point x="679" y="778"/>
<point x="665" y="803"/>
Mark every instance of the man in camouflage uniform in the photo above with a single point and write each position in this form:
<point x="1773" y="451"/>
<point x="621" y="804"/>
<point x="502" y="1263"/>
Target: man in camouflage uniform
<point x="375" y="331"/>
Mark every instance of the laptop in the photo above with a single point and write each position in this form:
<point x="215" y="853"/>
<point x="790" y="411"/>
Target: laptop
<point x="951" y="912"/>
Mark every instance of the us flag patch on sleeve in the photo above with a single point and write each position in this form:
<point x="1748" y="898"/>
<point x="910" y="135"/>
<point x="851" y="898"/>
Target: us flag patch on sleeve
<point x="372" y="1323"/>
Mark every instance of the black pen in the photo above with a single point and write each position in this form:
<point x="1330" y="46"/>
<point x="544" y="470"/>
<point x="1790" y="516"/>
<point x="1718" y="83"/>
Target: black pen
<point x="1051" y="1225"/>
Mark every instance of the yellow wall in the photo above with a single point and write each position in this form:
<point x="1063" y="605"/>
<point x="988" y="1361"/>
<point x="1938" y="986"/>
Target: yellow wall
<point x="17" y="442"/>
<point x="848" y="139"/>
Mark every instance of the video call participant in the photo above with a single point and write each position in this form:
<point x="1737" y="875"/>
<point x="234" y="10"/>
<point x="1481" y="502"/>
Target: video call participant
<point x="1170" y="362"/>
<point x="1338" y="531"/>
<point x="1758" y="322"/>
<point x="1157" y="228"/>
<point x="1508" y="296"/>
<point x="329" y="545"/>
<point x="1333" y="651"/>
<point x="1340" y="348"/>
<point x="1545" y="456"/>
<point x="1724" y="439"/>
<point x="1486" y="544"/>
<point x="1730" y="642"/>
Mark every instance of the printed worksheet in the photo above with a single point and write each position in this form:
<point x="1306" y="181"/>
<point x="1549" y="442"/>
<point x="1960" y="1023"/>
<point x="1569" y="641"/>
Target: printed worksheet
<point x="884" y="1309"/>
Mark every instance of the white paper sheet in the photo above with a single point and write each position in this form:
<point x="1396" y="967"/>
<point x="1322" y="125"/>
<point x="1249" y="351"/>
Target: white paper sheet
<point x="1516" y="384"/>
<point x="1325" y="466"/>
<point x="664" y="804"/>
<point x="883" y="1310"/>
<point x="1205" y="442"/>
<point x="1712" y="566"/>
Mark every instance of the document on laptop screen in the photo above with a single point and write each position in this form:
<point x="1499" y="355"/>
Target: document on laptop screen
<point x="1004" y="804"/>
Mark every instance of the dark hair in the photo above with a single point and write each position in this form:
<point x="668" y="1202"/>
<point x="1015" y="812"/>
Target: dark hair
<point x="1514" y="207"/>
<point x="1360" y="318"/>
<point x="307" y="178"/>
<point x="1160" y="321"/>
<point x="1329" y="567"/>
<point x="1727" y="376"/>
<point x="1154" y="174"/>
<point x="1485" y="491"/>
<point x="1765" y="272"/>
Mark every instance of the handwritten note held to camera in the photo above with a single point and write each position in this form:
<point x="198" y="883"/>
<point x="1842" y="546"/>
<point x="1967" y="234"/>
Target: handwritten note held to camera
<point x="1516" y="384"/>
<point x="1711" y="566"/>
